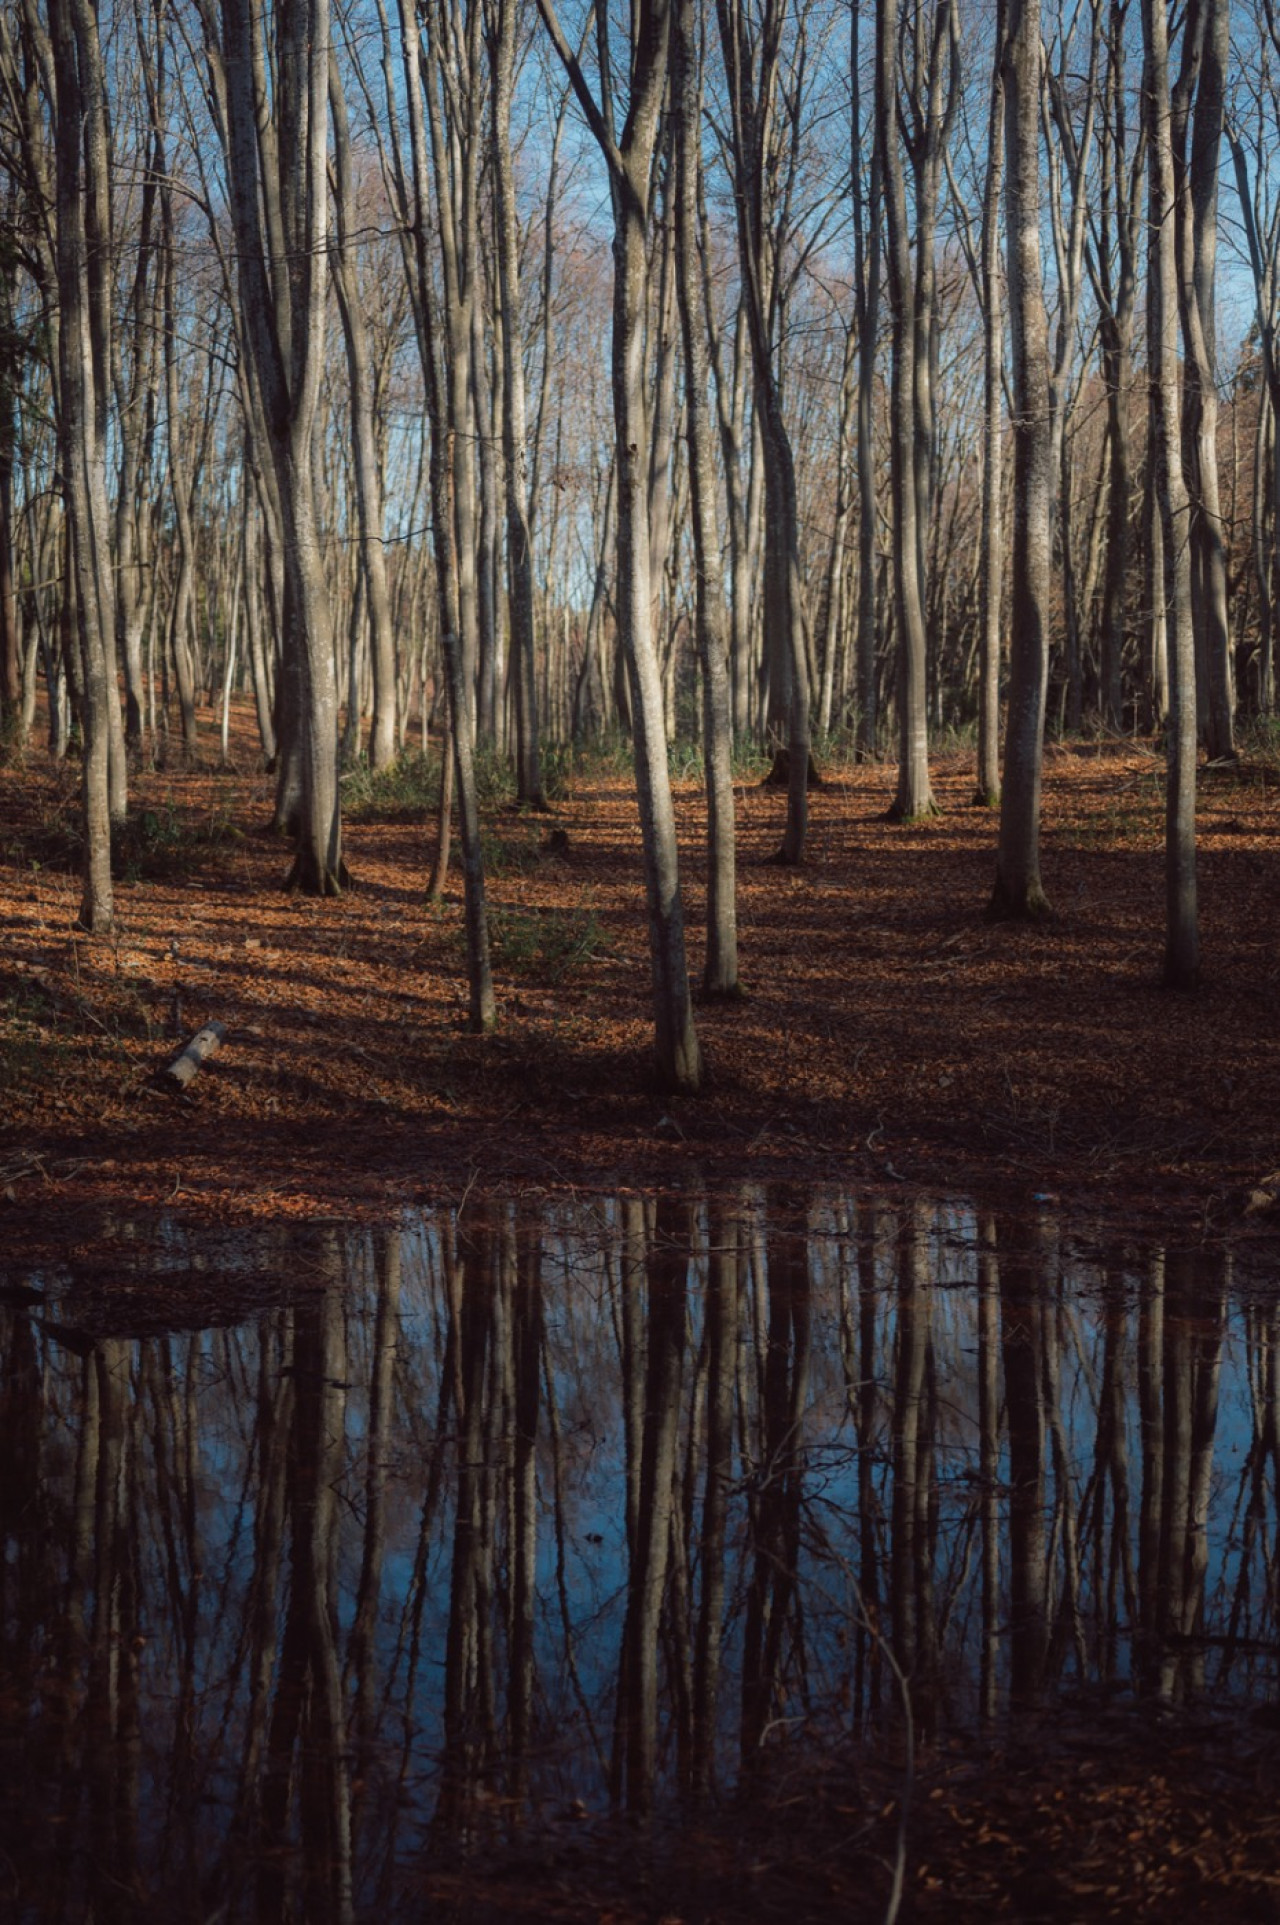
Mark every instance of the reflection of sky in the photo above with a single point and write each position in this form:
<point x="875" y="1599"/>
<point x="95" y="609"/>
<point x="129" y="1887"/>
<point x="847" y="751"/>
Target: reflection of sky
<point x="193" y="1405"/>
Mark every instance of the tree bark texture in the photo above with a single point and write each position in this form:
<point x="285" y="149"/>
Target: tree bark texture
<point x="1182" y="941"/>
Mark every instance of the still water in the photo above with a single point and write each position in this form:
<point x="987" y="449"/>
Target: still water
<point x="325" y="1552"/>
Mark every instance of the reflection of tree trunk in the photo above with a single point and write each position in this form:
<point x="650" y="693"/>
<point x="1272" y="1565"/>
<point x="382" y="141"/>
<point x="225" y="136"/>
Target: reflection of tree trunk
<point x="775" y="1519"/>
<point x="668" y="1260"/>
<point x="467" y="1710"/>
<point x="1022" y="1348"/>
<point x="1151" y="1421"/>
<point x="386" y="1329"/>
<point x="868" y="1679"/>
<point x="271" y="1445"/>
<point x="910" y="1447"/>
<point x="111" y="1709"/>
<point x="1105" y="1535"/>
<point x="527" y="1342"/>
<point x="1191" y="1352"/>
<point x="989" y="1456"/>
<point x="722" y="1348"/>
<point x="308" y="1706"/>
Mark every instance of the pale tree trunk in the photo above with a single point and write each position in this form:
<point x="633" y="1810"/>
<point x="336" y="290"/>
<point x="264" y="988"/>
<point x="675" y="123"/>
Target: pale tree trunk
<point x="135" y="408"/>
<point x="486" y="380"/>
<point x="1018" y="891"/>
<point x="529" y="786"/>
<point x="276" y="160"/>
<point x="10" y="652"/>
<point x="445" y="398"/>
<point x="930" y="47"/>
<point x="990" y="563"/>
<point x="1182" y="941"/>
<point x="630" y="163"/>
<point x="368" y="473"/>
<point x="866" y="255"/>
<point x="179" y="432"/>
<point x="914" y="796"/>
<point x="82" y="247"/>
<point x="1205" y="51"/>
<point x="720" y="974"/>
<point x="834" y="617"/>
<point x="753" y="66"/>
<point x="1114" y="274"/>
<point x="1260" y="237"/>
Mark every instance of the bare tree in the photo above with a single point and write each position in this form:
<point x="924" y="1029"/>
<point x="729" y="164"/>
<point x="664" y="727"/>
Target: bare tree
<point x="760" y="139"/>
<point x="1182" y="940"/>
<point x="277" y="164"/>
<point x="368" y="475"/>
<point x="720" y="973"/>
<point x="83" y="254"/>
<point x="629" y="156"/>
<point x="502" y="52"/>
<point x="1018" y="890"/>
<point x="1202" y="79"/>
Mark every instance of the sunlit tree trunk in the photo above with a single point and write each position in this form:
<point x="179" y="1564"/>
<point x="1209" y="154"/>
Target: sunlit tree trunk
<point x="630" y="162"/>
<point x="368" y="475"/>
<point x="866" y="245"/>
<point x="991" y="555"/>
<point x="1182" y="940"/>
<point x="720" y="973"/>
<point x="277" y="155"/>
<point x="82" y="247"/>
<point x="914" y="796"/>
<point x="502" y="47"/>
<point x="1205" y="53"/>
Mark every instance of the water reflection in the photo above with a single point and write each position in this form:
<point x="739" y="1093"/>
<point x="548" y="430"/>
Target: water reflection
<point x="607" y="1504"/>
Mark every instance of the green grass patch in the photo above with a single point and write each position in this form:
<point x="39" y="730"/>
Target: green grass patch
<point x="545" y="944"/>
<point x="403" y="793"/>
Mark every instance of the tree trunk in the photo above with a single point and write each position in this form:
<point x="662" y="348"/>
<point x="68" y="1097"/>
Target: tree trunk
<point x="1206" y="35"/>
<point x="529" y="787"/>
<point x="368" y="473"/>
<point x="82" y="245"/>
<point x="277" y="151"/>
<point x="990" y="563"/>
<point x="679" y="1061"/>
<point x="720" y="974"/>
<point x="914" y="796"/>
<point x="1018" y="891"/>
<point x="1182" y="942"/>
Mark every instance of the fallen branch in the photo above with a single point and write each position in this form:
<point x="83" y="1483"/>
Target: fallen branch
<point x="193" y="1054"/>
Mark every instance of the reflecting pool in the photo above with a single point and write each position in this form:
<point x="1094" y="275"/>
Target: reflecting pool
<point x="331" y="1554"/>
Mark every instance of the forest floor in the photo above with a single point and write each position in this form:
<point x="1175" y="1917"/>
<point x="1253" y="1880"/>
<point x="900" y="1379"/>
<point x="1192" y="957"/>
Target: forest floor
<point x="889" y="1034"/>
<point x="891" y="1039"/>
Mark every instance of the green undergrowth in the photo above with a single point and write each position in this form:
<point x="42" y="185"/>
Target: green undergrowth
<point x="156" y="844"/>
<point x="545" y="945"/>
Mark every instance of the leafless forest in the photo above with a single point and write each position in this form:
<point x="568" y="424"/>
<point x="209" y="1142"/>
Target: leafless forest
<point x="766" y="376"/>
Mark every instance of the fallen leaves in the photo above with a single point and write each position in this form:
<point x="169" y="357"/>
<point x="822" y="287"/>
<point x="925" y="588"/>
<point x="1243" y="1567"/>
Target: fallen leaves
<point x="882" y="1009"/>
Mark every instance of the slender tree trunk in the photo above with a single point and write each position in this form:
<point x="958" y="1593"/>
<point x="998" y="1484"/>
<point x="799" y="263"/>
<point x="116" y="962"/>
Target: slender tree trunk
<point x="1018" y="891"/>
<point x="277" y="149"/>
<point x="990" y="563"/>
<point x="368" y="473"/>
<point x="720" y="974"/>
<point x="1182" y="942"/>
<point x="679" y="1061"/>
<point x="529" y="786"/>
<point x="1206" y="36"/>
<point x="866" y="243"/>
<point x="914" y="796"/>
<point x="82" y="246"/>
